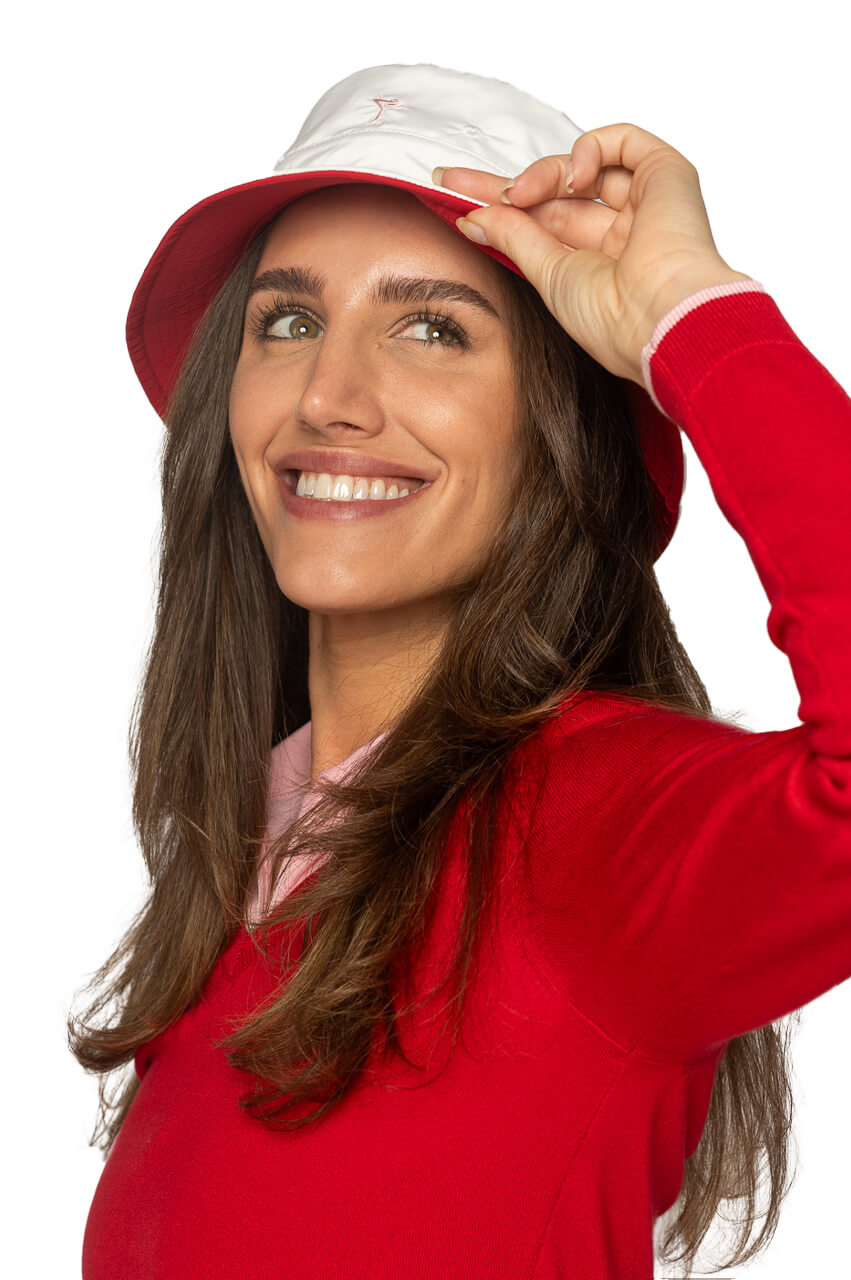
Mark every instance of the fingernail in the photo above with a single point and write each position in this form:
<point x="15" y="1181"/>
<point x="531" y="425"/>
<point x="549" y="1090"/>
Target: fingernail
<point x="569" y="177"/>
<point x="504" y="195"/>
<point x="437" y="176"/>
<point x="472" y="231"/>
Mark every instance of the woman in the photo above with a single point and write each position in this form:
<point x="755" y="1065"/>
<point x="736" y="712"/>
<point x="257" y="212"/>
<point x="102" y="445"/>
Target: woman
<point x="476" y="973"/>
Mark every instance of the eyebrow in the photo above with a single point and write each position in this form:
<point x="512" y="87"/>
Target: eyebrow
<point x="399" y="290"/>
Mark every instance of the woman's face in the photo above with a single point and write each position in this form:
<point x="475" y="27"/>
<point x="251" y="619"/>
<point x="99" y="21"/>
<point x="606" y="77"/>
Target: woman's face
<point x="337" y="377"/>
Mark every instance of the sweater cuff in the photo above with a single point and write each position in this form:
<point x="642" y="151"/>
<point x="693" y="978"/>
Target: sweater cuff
<point x="682" y="309"/>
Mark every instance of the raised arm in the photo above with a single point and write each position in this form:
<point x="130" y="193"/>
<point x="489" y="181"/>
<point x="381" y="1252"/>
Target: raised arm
<point x="691" y="880"/>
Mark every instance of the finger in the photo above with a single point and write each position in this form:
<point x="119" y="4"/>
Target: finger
<point x="583" y="224"/>
<point x="535" y="184"/>
<point x="620" y="145"/>
<point x="549" y="178"/>
<point x="543" y="179"/>
<point x="665" y="184"/>
<point x="536" y="251"/>
<point x="478" y="184"/>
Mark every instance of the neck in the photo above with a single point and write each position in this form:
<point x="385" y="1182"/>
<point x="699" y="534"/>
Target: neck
<point x="364" y="669"/>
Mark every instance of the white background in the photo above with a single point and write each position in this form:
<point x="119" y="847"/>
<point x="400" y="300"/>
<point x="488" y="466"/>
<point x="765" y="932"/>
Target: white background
<point x="117" y="119"/>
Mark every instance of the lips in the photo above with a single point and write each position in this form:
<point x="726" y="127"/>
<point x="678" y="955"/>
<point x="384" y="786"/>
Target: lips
<point x="342" y="462"/>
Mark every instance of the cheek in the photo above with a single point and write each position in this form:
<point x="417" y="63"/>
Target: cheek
<point x="471" y="419"/>
<point x="246" y="419"/>
<point x="251" y="417"/>
<point x="243" y="402"/>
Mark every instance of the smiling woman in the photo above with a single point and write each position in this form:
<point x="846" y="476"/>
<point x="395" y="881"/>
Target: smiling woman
<point x="342" y="383"/>
<point x="441" y="973"/>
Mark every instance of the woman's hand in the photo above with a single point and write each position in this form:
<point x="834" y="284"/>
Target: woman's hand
<point x="608" y="272"/>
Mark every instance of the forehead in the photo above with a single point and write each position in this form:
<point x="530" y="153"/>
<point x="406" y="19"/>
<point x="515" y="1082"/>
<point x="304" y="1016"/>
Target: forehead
<point x="365" y="226"/>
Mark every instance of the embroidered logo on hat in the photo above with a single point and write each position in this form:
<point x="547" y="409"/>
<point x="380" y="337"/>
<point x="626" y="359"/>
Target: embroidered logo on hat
<point x="381" y="103"/>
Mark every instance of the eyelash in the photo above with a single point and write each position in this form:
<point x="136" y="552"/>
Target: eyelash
<point x="281" y="307"/>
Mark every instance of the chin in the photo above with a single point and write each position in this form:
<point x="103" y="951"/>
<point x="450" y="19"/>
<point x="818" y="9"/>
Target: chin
<point x="335" y="597"/>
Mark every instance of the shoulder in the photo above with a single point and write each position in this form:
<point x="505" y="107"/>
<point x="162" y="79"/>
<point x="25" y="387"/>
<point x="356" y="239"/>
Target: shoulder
<point x="606" y="748"/>
<point x="627" y="718"/>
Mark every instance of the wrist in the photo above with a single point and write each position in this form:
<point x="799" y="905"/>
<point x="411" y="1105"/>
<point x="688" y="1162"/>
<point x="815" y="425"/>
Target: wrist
<point x="672" y="317"/>
<point x="683" y="286"/>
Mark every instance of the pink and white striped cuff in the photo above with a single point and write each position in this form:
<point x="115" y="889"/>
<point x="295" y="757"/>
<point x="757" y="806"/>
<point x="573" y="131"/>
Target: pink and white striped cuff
<point x="681" y="309"/>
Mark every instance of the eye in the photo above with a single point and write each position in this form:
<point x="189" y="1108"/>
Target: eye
<point x="430" y="332"/>
<point x="289" y="326"/>
<point x="282" y="320"/>
<point x="436" y="331"/>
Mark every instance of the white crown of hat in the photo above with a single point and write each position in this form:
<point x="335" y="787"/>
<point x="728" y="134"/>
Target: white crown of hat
<point x="401" y="121"/>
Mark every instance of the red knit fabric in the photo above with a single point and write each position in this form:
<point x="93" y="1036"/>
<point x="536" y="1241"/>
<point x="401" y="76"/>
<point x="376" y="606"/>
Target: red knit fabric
<point x="665" y="884"/>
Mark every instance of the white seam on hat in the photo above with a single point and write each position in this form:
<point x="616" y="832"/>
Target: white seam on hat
<point x="677" y="312"/>
<point x="379" y="173"/>
<point x="372" y="133"/>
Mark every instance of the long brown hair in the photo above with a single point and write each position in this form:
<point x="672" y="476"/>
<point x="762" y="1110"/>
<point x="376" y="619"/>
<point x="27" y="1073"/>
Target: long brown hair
<point x="568" y="600"/>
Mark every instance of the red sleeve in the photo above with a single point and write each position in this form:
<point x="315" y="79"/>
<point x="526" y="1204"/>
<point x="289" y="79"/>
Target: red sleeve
<point x="691" y="880"/>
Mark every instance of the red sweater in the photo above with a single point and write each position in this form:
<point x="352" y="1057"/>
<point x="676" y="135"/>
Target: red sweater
<point x="688" y="881"/>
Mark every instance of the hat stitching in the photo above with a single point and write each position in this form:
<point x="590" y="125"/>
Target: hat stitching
<point x="345" y="133"/>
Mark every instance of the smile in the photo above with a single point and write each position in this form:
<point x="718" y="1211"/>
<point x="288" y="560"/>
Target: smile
<point x="310" y="495"/>
<point x="324" y="487"/>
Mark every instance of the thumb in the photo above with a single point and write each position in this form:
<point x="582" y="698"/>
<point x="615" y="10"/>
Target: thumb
<point x="575" y="284"/>
<point x="536" y="251"/>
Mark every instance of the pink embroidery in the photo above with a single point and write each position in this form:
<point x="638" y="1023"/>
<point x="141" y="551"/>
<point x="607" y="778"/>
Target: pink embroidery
<point x="381" y="103"/>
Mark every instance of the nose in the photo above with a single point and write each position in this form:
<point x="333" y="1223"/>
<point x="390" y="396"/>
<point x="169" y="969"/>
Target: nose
<point x="341" y="390"/>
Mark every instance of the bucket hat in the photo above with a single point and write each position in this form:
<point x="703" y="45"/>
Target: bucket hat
<point x="390" y="125"/>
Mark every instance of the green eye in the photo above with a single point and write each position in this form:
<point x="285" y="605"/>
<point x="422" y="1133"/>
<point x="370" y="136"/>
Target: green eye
<point x="292" y="325"/>
<point x="438" y="334"/>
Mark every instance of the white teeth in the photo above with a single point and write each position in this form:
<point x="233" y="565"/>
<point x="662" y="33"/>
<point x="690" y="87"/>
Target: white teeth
<point x="323" y="485"/>
<point x="345" y="488"/>
<point x="341" y="490"/>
